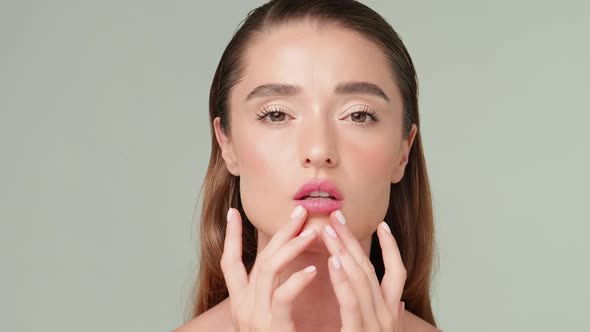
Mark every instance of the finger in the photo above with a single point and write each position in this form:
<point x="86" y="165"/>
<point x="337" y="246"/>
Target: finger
<point x="338" y="222"/>
<point x="282" y="302"/>
<point x="234" y="272"/>
<point x="394" y="278"/>
<point x="283" y="235"/>
<point x="287" y="231"/>
<point x="355" y="275"/>
<point x="266" y="280"/>
<point x="398" y="323"/>
<point x="345" y="294"/>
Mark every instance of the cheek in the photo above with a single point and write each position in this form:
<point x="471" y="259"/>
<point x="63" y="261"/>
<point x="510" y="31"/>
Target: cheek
<point x="264" y="165"/>
<point x="374" y="160"/>
<point x="268" y="175"/>
<point x="370" y="167"/>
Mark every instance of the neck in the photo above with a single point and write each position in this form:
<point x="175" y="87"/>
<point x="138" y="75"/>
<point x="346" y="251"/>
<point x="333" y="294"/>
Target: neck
<point x="316" y="308"/>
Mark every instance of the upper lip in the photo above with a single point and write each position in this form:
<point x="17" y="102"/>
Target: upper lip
<point x="318" y="185"/>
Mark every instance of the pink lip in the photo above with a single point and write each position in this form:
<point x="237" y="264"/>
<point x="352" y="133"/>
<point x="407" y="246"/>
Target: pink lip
<point x="322" y="205"/>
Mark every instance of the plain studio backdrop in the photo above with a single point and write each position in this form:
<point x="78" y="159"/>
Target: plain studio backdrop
<point x="105" y="142"/>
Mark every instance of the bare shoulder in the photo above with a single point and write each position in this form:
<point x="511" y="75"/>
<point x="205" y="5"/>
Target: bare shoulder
<point x="217" y="318"/>
<point x="413" y="323"/>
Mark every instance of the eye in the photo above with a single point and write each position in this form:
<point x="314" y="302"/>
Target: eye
<point x="359" y="117"/>
<point x="272" y="114"/>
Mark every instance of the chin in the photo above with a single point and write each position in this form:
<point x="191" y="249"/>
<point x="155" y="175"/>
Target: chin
<point x="316" y="217"/>
<point x="317" y="246"/>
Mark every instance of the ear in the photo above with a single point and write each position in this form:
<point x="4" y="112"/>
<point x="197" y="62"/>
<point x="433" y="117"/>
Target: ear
<point x="227" y="148"/>
<point x="399" y="169"/>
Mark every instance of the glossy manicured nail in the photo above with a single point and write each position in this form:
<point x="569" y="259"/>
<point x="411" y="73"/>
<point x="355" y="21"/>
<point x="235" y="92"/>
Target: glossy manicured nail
<point x="386" y="227"/>
<point x="297" y="212"/>
<point x="306" y="232"/>
<point x="309" y="269"/>
<point x="230" y="214"/>
<point x="331" y="231"/>
<point x="340" y="217"/>
<point x="336" y="262"/>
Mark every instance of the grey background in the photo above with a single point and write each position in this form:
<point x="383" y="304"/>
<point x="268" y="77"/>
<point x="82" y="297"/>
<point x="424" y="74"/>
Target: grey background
<point x="104" y="142"/>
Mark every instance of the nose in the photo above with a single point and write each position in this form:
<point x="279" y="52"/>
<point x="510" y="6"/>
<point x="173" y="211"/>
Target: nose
<point x="318" y="145"/>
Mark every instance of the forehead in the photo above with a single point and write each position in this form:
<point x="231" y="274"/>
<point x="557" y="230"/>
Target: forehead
<point x="317" y="60"/>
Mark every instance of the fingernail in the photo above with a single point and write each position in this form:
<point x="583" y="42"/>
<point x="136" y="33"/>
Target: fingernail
<point x="386" y="227"/>
<point x="331" y="231"/>
<point x="340" y="217"/>
<point x="403" y="306"/>
<point x="309" y="269"/>
<point x="336" y="262"/>
<point x="306" y="232"/>
<point x="230" y="214"/>
<point x="297" y="212"/>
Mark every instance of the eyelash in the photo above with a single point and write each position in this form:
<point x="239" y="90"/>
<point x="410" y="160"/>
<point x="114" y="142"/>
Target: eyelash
<point x="274" y="109"/>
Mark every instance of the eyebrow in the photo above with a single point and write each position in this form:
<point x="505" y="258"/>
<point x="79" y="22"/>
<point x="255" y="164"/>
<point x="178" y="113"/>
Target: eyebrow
<point x="343" y="88"/>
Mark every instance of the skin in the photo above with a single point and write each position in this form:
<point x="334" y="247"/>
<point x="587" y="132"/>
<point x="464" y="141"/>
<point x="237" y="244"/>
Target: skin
<point x="321" y="136"/>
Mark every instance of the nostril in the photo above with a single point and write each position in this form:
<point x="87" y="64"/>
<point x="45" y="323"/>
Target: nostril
<point x="326" y="161"/>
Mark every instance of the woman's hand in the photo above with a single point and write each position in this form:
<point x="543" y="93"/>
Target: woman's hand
<point x="364" y="304"/>
<point x="256" y="302"/>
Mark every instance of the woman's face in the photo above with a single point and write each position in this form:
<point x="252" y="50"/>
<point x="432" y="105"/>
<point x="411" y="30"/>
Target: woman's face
<point x="322" y="135"/>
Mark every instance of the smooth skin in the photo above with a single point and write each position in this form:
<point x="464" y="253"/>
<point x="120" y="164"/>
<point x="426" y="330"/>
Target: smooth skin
<point x="279" y="142"/>
<point x="258" y="303"/>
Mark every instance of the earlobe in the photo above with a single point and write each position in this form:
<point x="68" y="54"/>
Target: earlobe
<point x="226" y="146"/>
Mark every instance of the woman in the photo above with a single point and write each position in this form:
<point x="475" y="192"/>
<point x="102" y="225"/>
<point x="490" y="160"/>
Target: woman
<point x="314" y="119"/>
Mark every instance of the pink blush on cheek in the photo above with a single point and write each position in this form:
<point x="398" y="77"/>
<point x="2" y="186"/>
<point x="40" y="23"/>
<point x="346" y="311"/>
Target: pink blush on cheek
<point x="374" y="161"/>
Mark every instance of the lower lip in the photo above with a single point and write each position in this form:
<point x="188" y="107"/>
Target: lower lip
<point x="322" y="205"/>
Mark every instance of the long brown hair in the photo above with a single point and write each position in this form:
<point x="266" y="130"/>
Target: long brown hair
<point x="409" y="215"/>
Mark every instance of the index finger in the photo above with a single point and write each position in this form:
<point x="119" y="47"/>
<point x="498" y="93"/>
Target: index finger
<point x="234" y="272"/>
<point x="394" y="278"/>
<point x="350" y="241"/>
<point x="288" y="230"/>
<point x="282" y="236"/>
